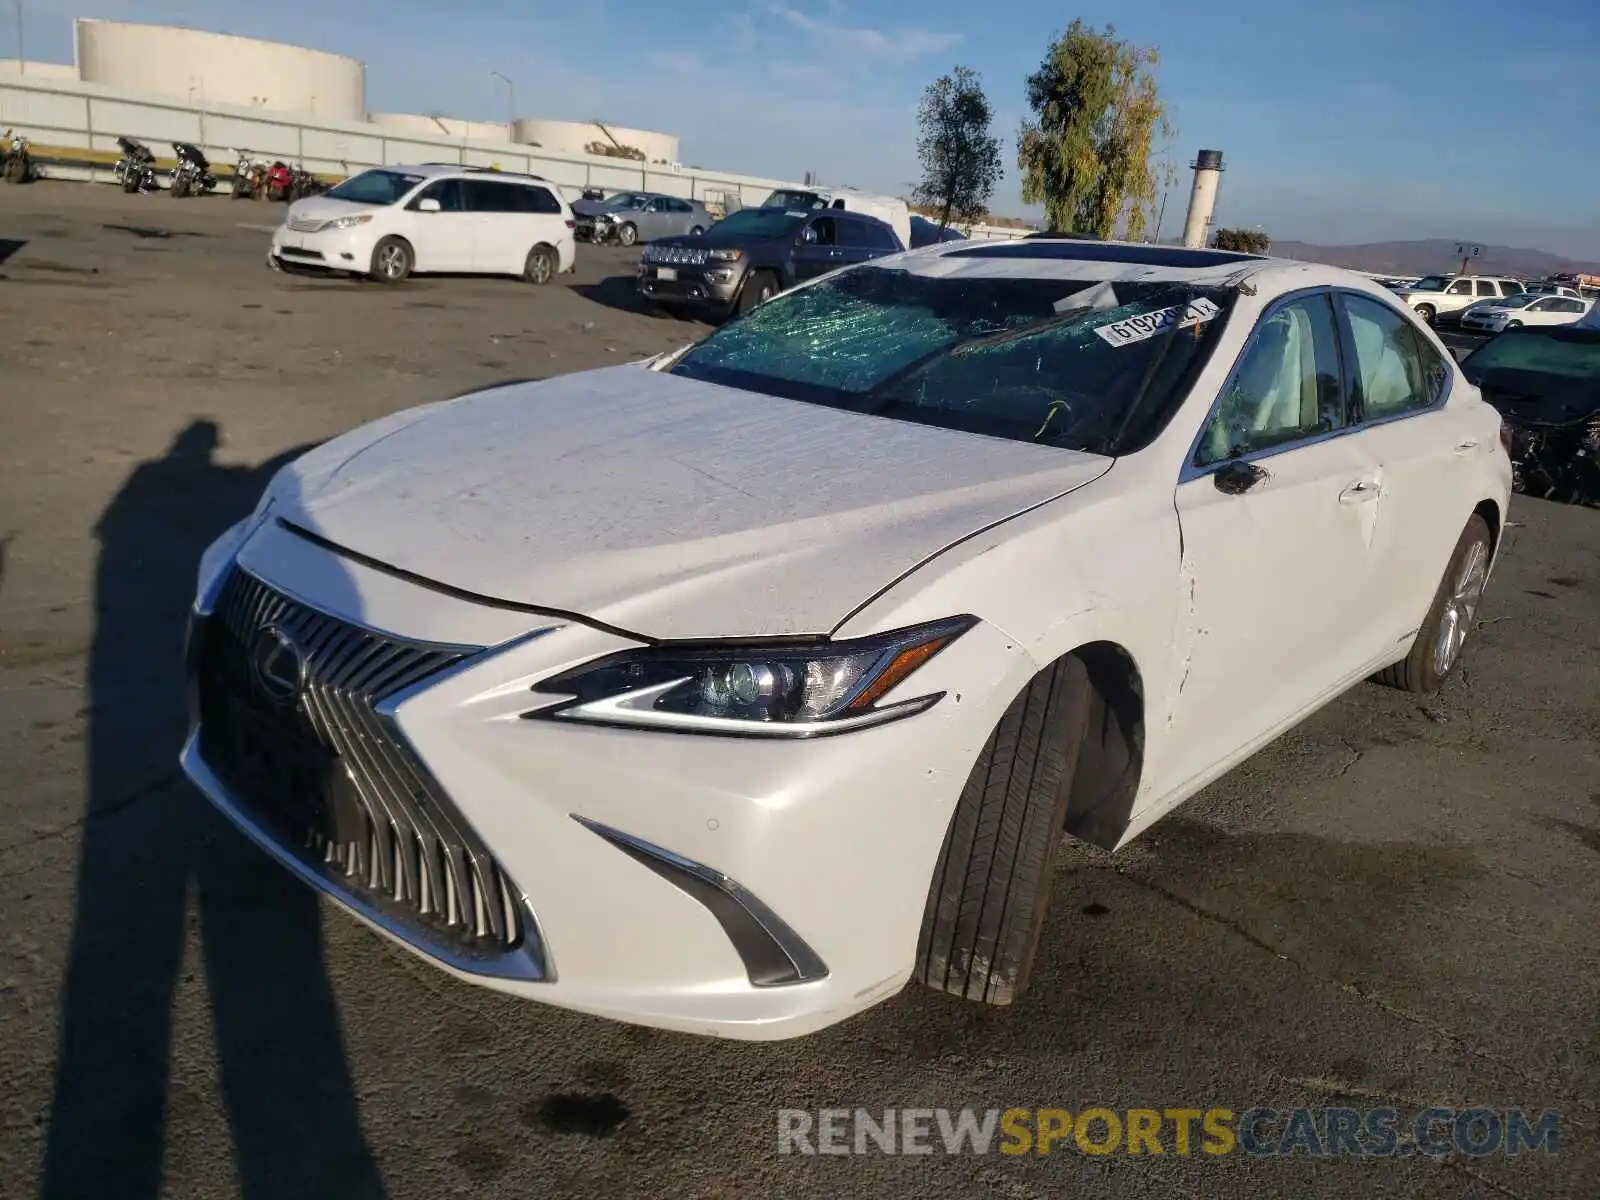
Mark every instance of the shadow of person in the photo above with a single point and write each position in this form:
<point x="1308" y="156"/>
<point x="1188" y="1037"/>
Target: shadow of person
<point x="149" y="844"/>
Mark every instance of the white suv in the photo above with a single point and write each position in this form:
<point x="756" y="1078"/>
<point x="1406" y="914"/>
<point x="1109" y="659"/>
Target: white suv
<point x="1432" y="296"/>
<point x="391" y="221"/>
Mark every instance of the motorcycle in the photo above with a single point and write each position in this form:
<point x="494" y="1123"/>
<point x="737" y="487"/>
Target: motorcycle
<point x="16" y="159"/>
<point x="303" y="183"/>
<point x="135" y="170"/>
<point x="249" y="177"/>
<point x="279" y="181"/>
<point x="192" y="176"/>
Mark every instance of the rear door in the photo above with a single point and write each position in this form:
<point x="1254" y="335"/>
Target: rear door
<point x="861" y="239"/>
<point x="1278" y="508"/>
<point x="1400" y="391"/>
<point x="444" y="240"/>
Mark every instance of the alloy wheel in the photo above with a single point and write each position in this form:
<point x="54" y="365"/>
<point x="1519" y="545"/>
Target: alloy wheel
<point x="1461" y="608"/>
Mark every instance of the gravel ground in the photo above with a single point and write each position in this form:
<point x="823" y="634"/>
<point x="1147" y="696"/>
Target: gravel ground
<point x="1395" y="904"/>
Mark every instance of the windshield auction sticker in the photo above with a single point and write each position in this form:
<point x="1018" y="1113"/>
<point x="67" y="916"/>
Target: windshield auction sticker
<point x="1146" y="325"/>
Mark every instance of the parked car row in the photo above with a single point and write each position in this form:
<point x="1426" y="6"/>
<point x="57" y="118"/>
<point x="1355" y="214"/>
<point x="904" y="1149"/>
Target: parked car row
<point x="1489" y="303"/>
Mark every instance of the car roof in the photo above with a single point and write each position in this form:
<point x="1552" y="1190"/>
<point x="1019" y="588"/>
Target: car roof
<point x="1031" y="258"/>
<point x="430" y="170"/>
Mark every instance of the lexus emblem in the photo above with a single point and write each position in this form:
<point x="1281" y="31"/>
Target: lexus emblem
<point x="277" y="665"/>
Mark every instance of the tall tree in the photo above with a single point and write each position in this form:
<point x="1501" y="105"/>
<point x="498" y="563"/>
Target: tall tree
<point x="960" y="158"/>
<point x="1086" y="154"/>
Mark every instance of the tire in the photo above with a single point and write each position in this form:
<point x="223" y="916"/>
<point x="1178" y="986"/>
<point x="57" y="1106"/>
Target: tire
<point x="391" y="260"/>
<point x="1428" y="313"/>
<point x="696" y="231"/>
<point x="1455" y="606"/>
<point x="1513" y="324"/>
<point x="758" y="288"/>
<point x="179" y="188"/>
<point x="991" y="888"/>
<point x="541" y="265"/>
<point x="628" y="234"/>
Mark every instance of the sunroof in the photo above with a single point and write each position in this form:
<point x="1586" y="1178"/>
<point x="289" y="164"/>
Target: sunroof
<point x="1150" y="256"/>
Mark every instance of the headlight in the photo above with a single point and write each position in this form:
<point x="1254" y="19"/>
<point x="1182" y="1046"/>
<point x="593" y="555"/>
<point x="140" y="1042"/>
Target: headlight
<point x="348" y="222"/>
<point x="726" y="255"/>
<point x="753" y="690"/>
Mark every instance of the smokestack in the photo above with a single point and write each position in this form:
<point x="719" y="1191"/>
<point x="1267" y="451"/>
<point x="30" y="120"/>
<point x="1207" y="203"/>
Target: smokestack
<point x="1207" y="168"/>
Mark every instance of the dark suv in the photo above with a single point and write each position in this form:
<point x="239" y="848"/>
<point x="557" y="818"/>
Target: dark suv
<point x="755" y="253"/>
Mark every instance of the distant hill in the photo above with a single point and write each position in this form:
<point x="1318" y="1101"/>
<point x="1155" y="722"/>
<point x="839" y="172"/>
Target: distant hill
<point x="1436" y="254"/>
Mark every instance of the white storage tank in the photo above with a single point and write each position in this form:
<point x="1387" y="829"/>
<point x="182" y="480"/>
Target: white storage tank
<point x="217" y="68"/>
<point x="416" y="125"/>
<point x="577" y="137"/>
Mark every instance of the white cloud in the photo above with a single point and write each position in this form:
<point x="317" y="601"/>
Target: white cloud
<point x="901" y="45"/>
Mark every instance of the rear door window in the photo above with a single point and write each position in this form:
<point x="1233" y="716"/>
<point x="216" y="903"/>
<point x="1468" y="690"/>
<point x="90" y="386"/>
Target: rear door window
<point x="485" y="196"/>
<point x="1509" y="287"/>
<point x="539" y="200"/>
<point x="1396" y="370"/>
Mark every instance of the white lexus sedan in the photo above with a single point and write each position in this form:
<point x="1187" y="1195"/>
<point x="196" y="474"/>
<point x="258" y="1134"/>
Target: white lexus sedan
<point x="731" y="691"/>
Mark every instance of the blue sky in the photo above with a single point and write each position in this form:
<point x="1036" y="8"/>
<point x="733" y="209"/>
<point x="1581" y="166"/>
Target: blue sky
<point x="1354" y="121"/>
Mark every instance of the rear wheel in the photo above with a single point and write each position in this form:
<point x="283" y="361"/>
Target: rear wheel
<point x="991" y="888"/>
<point x="179" y="188"/>
<point x="540" y="266"/>
<point x="696" y="231"/>
<point x="1437" y="649"/>
<point x="391" y="260"/>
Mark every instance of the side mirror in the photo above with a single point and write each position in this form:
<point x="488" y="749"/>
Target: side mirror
<point x="1237" y="478"/>
<point x="428" y="204"/>
<point x="809" y="237"/>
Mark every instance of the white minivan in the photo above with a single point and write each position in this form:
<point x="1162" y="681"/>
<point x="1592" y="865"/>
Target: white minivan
<point x="391" y="221"/>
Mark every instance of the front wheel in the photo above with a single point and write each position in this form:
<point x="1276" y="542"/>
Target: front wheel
<point x="990" y="892"/>
<point x="1513" y="324"/>
<point x="628" y="234"/>
<point x="179" y="188"/>
<point x="1428" y="313"/>
<point x="757" y="290"/>
<point x="1437" y="650"/>
<point x="391" y="260"/>
<point x="696" y="231"/>
<point x="540" y="266"/>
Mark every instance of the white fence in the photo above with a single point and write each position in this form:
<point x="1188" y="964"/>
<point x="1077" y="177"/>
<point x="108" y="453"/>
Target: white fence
<point x="71" y="115"/>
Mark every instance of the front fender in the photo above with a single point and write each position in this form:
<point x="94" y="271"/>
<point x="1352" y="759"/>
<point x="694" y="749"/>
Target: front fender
<point x="1101" y="564"/>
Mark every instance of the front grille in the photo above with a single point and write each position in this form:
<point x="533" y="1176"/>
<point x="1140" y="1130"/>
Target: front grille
<point x="305" y="224"/>
<point x="690" y="256"/>
<point x="297" y="252"/>
<point x="302" y="746"/>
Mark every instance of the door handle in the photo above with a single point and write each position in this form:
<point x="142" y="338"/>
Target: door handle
<point x="1360" y="492"/>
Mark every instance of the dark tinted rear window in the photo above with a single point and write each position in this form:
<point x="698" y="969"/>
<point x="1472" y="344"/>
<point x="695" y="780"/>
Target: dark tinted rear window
<point x="1153" y="256"/>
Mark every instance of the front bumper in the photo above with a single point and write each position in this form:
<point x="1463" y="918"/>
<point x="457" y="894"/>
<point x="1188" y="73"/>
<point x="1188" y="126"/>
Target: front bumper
<point x="332" y="250"/>
<point x="715" y="285"/>
<point x="744" y="888"/>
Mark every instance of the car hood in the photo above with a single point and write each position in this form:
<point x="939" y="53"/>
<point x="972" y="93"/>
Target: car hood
<point x="329" y="208"/>
<point x="668" y="507"/>
<point x="593" y="208"/>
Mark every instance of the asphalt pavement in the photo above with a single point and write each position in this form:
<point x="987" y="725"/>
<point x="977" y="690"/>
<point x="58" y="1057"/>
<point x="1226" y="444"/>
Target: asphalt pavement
<point x="1393" y="906"/>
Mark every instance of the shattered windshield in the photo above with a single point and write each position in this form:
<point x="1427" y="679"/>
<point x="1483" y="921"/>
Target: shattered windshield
<point x="1071" y="363"/>
<point x="1565" y="354"/>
